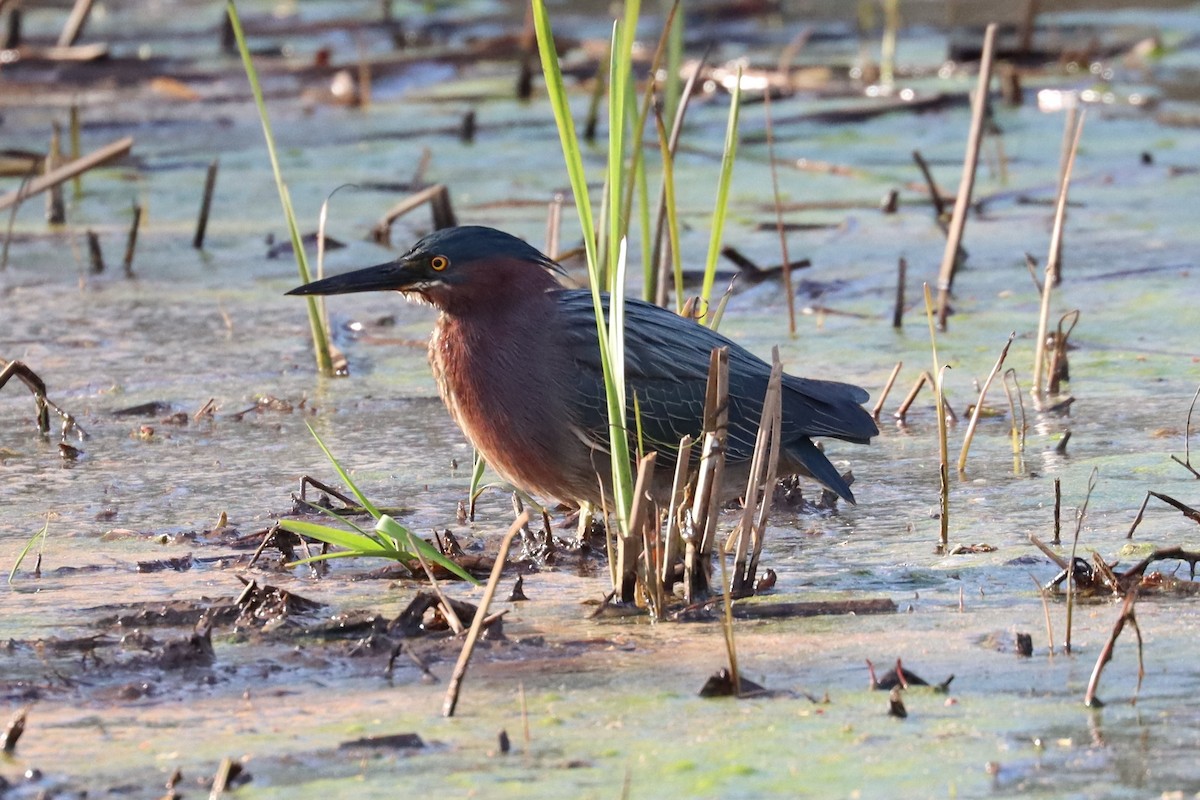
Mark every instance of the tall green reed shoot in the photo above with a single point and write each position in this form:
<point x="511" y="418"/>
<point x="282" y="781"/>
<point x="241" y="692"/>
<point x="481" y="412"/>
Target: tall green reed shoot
<point x="315" y="318"/>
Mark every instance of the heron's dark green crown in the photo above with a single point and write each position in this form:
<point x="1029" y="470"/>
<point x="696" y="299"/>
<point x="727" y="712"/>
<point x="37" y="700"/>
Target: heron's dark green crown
<point x="448" y="258"/>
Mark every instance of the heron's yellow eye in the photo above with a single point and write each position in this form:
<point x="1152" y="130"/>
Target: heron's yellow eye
<point x="439" y="263"/>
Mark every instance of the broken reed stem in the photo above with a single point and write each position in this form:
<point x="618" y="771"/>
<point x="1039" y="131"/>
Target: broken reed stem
<point x="210" y="184"/>
<point x="970" y="434"/>
<point x="1071" y="592"/>
<point x="1052" y="263"/>
<point x="74" y="138"/>
<point x="935" y="195"/>
<point x="1187" y="437"/>
<point x="1058" y="511"/>
<point x="1045" y="613"/>
<point x="452" y="618"/>
<point x="943" y="461"/>
<point x="678" y="488"/>
<point x="761" y="481"/>
<point x="631" y="539"/>
<point x="887" y="388"/>
<point x="939" y="396"/>
<point x="1106" y="653"/>
<point x="962" y="201"/>
<point x="898" y="311"/>
<point x="1141" y="513"/>
<point x="131" y="241"/>
<point x="74" y="27"/>
<point x="67" y="171"/>
<point x="56" y="213"/>
<point x="727" y="628"/>
<point x="1058" y="356"/>
<point x="787" y="261"/>
<point x="660" y="225"/>
<point x="441" y="209"/>
<point x="95" y="255"/>
<point x="464" y="657"/>
<point x="1018" y="432"/>
<point x="554" y="226"/>
<point x="911" y="397"/>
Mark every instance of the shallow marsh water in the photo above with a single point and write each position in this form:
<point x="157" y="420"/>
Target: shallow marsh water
<point x="608" y="701"/>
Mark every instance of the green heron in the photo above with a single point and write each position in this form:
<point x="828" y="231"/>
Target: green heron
<point x="516" y="360"/>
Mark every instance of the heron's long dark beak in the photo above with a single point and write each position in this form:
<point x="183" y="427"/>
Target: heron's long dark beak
<point x="392" y="276"/>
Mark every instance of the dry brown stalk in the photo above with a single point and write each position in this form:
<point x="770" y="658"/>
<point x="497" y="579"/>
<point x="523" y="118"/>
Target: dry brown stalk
<point x="631" y="542"/>
<point x="887" y="388"/>
<point x="1046" y="614"/>
<point x="898" y="310"/>
<point x="438" y="198"/>
<point x="1187" y="441"/>
<point x="1183" y="508"/>
<point x="1018" y="431"/>
<point x="74" y="27"/>
<point x="1106" y="653"/>
<point x="940" y="397"/>
<point x="464" y="657"/>
<point x="911" y="397"/>
<point x="787" y="261"/>
<point x="761" y="482"/>
<point x="706" y="501"/>
<point x="67" y="171"/>
<point x="678" y="489"/>
<point x="962" y="201"/>
<point x="554" y="226"/>
<point x="661" y="257"/>
<point x="970" y="434"/>
<point x="1052" y="263"/>
<point x="935" y="196"/>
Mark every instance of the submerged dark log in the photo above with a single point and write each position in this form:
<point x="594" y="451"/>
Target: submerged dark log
<point x="816" y="608"/>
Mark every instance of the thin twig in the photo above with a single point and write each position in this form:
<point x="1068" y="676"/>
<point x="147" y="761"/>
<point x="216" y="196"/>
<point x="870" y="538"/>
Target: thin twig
<point x="970" y="434"/>
<point x="787" y="261"/>
<point x="1187" y="440"/>
<point x="464" y="657"/>
<point x="1106" y="653"/>
<point x="68" y="171"/>
<point x="887" y="387"/>
<point x="898" y="310"/>
<point x="1046" y="613"/>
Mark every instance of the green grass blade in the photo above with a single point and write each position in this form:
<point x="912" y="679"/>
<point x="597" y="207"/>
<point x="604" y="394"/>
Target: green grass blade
<point x="12" y="573"/>
<point x="574" y="162"/>
<point x="719" y="211"/>
<point x="389" y="527"/>
<point x="362" y="498"/>
<point x="557" y="94"/>
<point x="359" y="543"/>
<point x="622" y="471"/>
<point x="319" y="334"/>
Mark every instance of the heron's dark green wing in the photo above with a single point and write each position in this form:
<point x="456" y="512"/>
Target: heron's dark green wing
<point x="666" y="367"/>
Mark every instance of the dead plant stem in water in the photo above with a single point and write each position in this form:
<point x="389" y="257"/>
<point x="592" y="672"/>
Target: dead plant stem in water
<point x="760" y="483"/>
<point x="783" y="246"/>
<point x="970" y="434"/>
<point x="962" y="201"/>
<point x="1106" y="653"/>
<point x="1187" y="440"/>
<point x="939" y="395"/>
<point x="464" y="657"/>
<point x="887" y="388"/>
<point x="1052" y="265"/>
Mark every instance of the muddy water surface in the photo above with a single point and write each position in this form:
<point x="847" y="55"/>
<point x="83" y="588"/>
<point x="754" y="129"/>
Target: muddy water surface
<point x="120" y="695"/>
